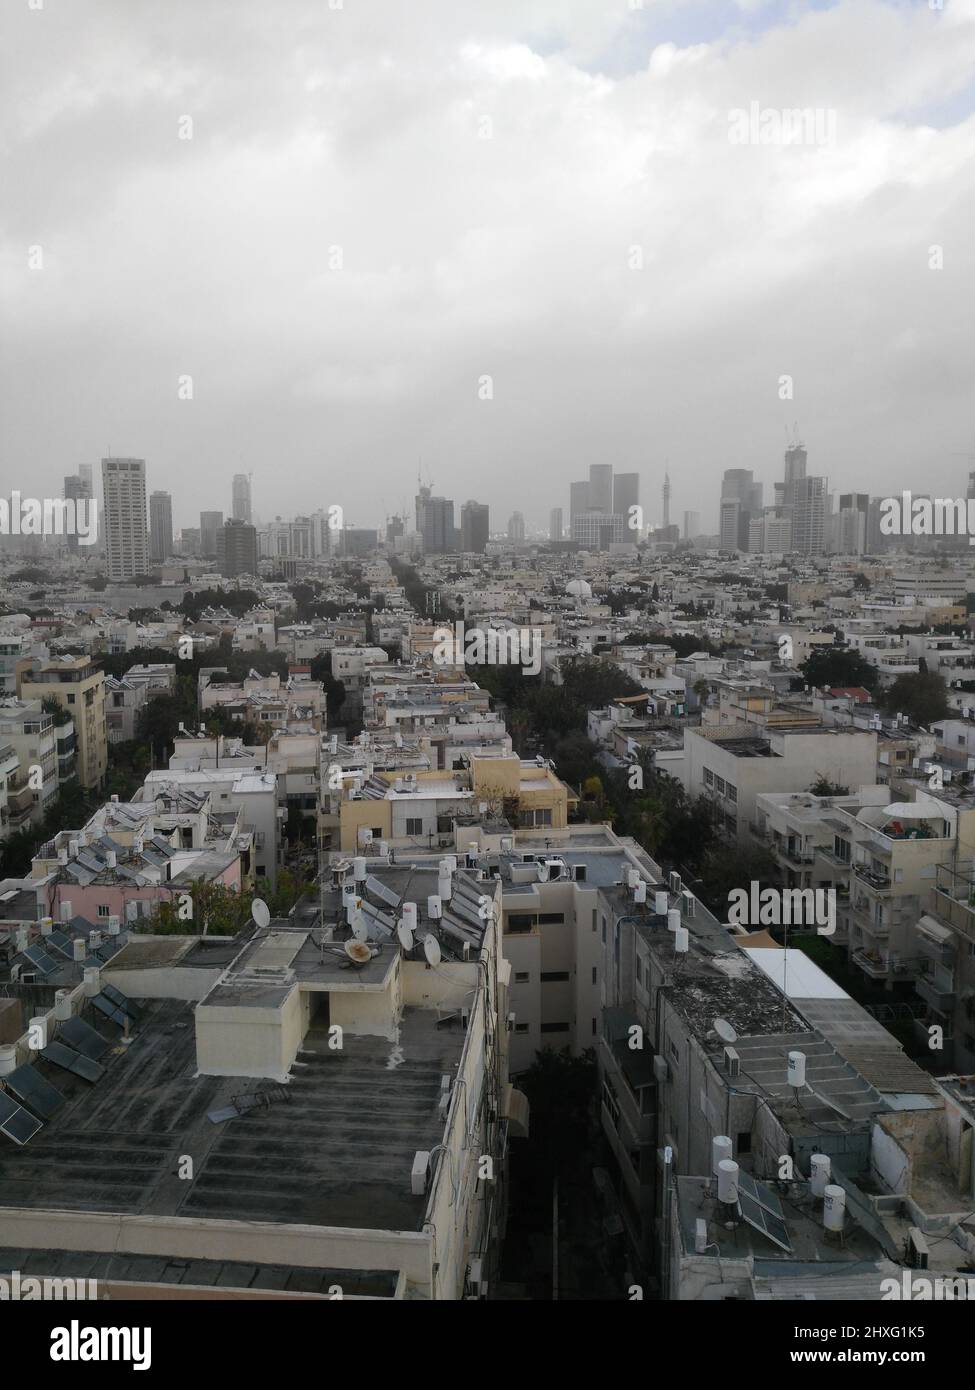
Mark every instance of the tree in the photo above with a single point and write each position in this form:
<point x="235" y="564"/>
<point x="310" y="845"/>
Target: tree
<point x="216" y="911"/>
<point x="824" y="787"/>
<point x="838" y="666"/>
<point x="725" y="867"/>
<point x="922" y="697"/>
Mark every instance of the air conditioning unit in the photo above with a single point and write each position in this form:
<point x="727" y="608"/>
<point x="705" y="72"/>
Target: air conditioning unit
<point x="732" y="1062"/>
<point x="676" y="884"/>
<point x="418" y="1177"/>
<point x="917" y="1248"/>
<point x="511" y="1023"/>
<point x="688" y="904"/>
<point x="475" y="1279"/>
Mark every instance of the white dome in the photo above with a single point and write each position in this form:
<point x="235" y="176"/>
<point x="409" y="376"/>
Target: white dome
<point x="578" y="588"/>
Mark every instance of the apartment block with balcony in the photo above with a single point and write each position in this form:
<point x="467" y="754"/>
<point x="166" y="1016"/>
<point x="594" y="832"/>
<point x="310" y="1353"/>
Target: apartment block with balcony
<point x="30" y="729"/>
<point x="78" y="686"/>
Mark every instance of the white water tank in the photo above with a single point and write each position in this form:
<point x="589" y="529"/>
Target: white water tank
<point x="728" y="1181"/>
<point x="93" y="981"/>
<point x="359" y="868"/>
<point x="632" y="878"/>
<point x="682" y="941"/>
<point x="797" y="1070"/>
<point x="409" y="916"/>
<point x="8" y="1058"/>
<point x="673" y="919"/>
<point x="47" y="926"/>
<point x="819" y="1174"/>
<point x="451" y="862"/>
<point x="721" y="1148"/>
<point x="94" y="940"/>
<point x="79" y="948"/>
<point x="660" y="901"/>
<point x="445" y="887"/>
<point x="38" y="1029"/>
<point x="434" y="906"/>
<point x="640" y="891"/>
<point x="834" y="1207"/>
<point x="62" y="1005"/>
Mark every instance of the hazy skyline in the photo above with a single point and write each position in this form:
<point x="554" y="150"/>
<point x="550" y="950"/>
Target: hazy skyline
<point x="363" y="128"/>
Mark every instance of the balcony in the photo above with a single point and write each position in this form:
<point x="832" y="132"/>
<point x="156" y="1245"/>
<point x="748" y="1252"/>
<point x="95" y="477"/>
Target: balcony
<point x="872" y="963"/>
<point x="936" y="986"/>
<point x="879" y="883"/>
<point x="835" y="861"/>
<point x="864" y="915"/>
<point x="794" y="853"/>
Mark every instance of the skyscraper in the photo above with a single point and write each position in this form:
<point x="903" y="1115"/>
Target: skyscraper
<point x="626" y="493"/>
<point x="474" y="527"/>
<point x="435" y="521"/>
<point x="237" y="549"/>
<point x="692" y="525"/>
<point x="850" y="524"/>
<point x="810" y="510"/>
<point x="160" y="526"/>
<point x="741" y="502"/>
<point x="555" y="524"/>
<point x="666" y="500"/>
<point x="78" y="489"/>
<point x="241" y="493"/>
<point x="578" y="501"/>
<point x="516" y="527"/>
<point x="601" y="487"/>
<point x="210" y="524"/>
<point x="124" y="506"/>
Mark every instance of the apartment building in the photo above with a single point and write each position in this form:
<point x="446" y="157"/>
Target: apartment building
<point x="30" y="730"/>
<point x="384" y="1176"/>
<point x="78" y="686"/>
<point x="732" y="767"/>
<point x="249" y="794"/>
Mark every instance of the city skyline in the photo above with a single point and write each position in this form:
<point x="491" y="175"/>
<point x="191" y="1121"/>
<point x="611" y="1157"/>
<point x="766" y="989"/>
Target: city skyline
<point x="394" y="334"/>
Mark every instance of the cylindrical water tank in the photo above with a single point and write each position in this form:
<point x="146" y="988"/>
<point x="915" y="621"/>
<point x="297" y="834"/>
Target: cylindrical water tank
<point x="797" y="1069"/>
<point x="93" y="981"/>
<point x="8" y="1058"/>
<point x="727" y="1180"/>
<point x="660" y="903"/>
<point x="114" y="926"/>
<point x="682" y="940"/>
<point x="819" y="1173"/>
<point x="62" y="1005"/>
<point x="434" y="906"/>
<point x="640" y="891"/>
<point x="451" y="862"/>
<point x="79" y="948"/>
<point x="834" y="1207"/>
<point x="409" y="916"/>
<point x="721" y="1148"/>
<point x="47" y="926"/>
<point x="359" y="868"/>
<point x="445" y="887"/>
<point x="94" y="940"/>
<point x="632" y="878"/>
<point x="38" y="1029"/>
<point x="673" y="919"/>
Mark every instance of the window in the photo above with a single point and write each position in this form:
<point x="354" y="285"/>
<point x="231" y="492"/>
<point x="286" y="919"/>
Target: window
<point x="595" y="974"/>
<point x="594" y="919"/>
<point x="719" y="785"/>
<point x="521" y="1027"/>
<point x="414" y="825"/>
<point x="708" y="777"/>
<point x="554" y="1028"/>
<point x="70" y="698"/>
<point x="743" y="1143"/>
<point x="520" y="921"/>
<point x="732" y="792"/>
<point x="594" y="1027"/>
<point x="551" y="919"/>
<point x="604" y="931"/>
<point x="104" y="910"/>
<point x="522" y="977"/>
<point x="549" y="977"/>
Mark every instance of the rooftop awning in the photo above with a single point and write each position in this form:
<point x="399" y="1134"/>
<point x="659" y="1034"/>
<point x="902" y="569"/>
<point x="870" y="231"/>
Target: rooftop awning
<point x="517" y="1112"/>
<point x="934" y="930"/>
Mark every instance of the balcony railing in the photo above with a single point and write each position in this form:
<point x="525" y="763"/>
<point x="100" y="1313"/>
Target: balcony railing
<point x="880" y="883"/>
<point x="872" y="964"/>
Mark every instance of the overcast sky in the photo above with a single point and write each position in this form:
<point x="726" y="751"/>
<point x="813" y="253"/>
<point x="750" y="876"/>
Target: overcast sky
<point x="363" y="127"/>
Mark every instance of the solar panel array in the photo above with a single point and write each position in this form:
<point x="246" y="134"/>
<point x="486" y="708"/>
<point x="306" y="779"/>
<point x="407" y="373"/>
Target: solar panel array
<point x="29" y="1086"/>
<point x="17" y="1123"/>
<point x="760" y="1207"/>
<point x="383" y="893"/>
<point x="39" y="958"/>
<point x="109" y="1010"/>
<point x="121" y="1001"/>
<point x="84" y="1038"/>
<point x="60" y="1055"/>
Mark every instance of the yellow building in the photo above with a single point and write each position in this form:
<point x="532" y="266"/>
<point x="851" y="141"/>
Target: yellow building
<point x="78" y="686"/>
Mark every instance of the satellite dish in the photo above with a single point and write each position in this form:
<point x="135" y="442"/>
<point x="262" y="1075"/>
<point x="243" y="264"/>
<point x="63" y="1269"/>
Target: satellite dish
<point x="431" y="949"/>
<point x="358" y="952"/>
<point x="405" y="936"/>
<point x="724" y="1030"/>
<point x="260" y="912"/>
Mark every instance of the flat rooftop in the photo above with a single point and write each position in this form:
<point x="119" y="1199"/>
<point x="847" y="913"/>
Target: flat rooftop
<point x="334" y="1147"/>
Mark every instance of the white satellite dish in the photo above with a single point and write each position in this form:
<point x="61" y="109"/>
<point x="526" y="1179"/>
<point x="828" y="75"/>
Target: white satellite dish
<point x="431" y="949"/>
<point x="724" y="1030"/>
<point x="260" y="912"/>
<point x="405" y="936"/>
<point x="358" y="952"/>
